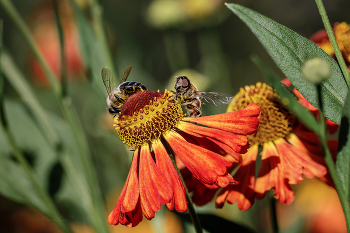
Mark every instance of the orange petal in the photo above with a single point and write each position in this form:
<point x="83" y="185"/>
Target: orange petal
<point x="271" y="176"/>
<point x="167" y="168"/>
<point x="241" y="122"/>
<point x="296" y="161"/>
<point x="205" y="165"/>
<point x="134" y="215"/>
<point x="158" y="190"/>
<point x="243" y="192"/>
<point x="132" y="191"/>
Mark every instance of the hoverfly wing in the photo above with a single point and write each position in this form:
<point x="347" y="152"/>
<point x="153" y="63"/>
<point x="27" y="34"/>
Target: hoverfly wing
<point x="214" y="98"/>
<point x="125" y="74"/>
<point x="109" y="80"/>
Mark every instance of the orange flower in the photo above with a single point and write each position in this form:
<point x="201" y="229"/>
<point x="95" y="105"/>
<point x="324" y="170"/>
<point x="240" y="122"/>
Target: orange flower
<point x="342" y="35"/>
<point x="153" y="123"/>
<point x="286" y="157"/>
<point x="46" y="36"/>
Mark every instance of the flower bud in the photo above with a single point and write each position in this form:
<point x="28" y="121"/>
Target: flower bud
<point x="316" y="70"/>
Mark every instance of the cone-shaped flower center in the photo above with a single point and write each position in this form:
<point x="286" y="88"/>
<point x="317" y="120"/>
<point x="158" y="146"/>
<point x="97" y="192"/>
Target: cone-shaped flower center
<point x="146" y="115"/>
<point x="275" y="120"/>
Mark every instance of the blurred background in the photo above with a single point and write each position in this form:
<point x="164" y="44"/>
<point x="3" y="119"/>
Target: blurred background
<point x="161" y="39"/>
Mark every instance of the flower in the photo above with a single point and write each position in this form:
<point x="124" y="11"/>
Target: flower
<point x="154" y="124"/>
<point x="342" y="35"/>
<point x="45" y="34"/>
<point x="289" y="153"/>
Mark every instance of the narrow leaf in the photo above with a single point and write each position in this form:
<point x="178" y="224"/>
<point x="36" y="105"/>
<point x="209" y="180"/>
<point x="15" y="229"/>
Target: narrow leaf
<point x="91" y="49"/>
<point x="290" y="51"/>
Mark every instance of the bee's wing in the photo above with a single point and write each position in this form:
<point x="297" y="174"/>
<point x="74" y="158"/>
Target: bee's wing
<point x="125" y="74"/>
<point x="109" y="80"/>
<point x="213" y="98"/>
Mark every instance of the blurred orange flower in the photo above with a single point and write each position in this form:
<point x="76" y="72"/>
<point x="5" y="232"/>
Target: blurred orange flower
<point x="342" y="35"/>
<point x="46" y="36"/>
<point x="153" y="123"/>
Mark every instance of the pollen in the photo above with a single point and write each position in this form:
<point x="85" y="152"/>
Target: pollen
<point x="275" y="121"/>
<point x="145" y="116"/>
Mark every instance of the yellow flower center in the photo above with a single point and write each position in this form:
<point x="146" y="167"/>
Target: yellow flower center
<point x="275" y="120"/>
<point x="146" y="115"/>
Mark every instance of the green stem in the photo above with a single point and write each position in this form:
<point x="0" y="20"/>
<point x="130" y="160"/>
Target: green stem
<point x="330" y="164"/>
<point x="274" y="222"/>
<point x="63" y="60"/>
<point x="96" y="11"/>
<point x="191" y="210"/>
<point x="331" y="36"/>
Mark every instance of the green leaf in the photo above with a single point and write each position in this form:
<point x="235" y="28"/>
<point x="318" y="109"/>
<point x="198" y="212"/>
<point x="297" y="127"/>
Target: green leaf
<point x="343" y="159"/>
<point x="290" y="51"/>
<point x="287" y="98"/>
<point x="15" y="185"/>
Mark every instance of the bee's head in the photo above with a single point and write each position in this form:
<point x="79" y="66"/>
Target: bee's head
<point x="182" y="83"/>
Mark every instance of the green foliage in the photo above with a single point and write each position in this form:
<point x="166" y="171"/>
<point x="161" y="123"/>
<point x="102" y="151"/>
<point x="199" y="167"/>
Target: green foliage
<point x="290" y="51"/>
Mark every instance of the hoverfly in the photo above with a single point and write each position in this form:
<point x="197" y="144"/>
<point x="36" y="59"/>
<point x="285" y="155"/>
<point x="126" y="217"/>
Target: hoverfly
<point x="187" y="93"/>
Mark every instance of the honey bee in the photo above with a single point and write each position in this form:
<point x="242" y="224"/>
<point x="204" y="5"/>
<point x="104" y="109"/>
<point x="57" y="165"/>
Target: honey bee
<point x="118" y="95"/>
<point x="187" y="93"/>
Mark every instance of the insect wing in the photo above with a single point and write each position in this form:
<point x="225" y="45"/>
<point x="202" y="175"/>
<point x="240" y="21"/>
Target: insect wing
<point x="125" y="74"/>
<point x="109" y="80"/>
<point x="214" y="98"/>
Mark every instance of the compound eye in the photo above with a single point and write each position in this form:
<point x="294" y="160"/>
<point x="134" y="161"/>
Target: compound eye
<point x="185" y="82"/>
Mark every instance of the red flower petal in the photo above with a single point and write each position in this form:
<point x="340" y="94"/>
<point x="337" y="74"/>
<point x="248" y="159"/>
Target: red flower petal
<point x="167" y="168"/>
<point x="155" y="189"/>
<point x="241" y="122"/>
<point x="205" y="165"/>
<point x="231" y="143"/>
<point x="271" y="176"/>
<point x="296" y="160"/>
<point x="243" y="192"/>
<point x="134" y="216"/>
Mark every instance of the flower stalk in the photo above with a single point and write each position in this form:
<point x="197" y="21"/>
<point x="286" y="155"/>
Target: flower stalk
<point x="191" y="210"/>
<point x="330" y="164"/>
<point x="331" y="36"/>
<point x="274" y="222"/>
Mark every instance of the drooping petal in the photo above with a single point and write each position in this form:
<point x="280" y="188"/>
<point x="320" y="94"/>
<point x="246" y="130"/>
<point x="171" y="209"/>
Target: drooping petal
<point x="243" y="192"/>
<point x="271" y="176"/>
<point x="241" y="122"/>
<point x="155" y="188"/>
<point x="229" y="142"/>
<point x="201" y="193"/>
<point x="167" y="168"/>
<point x="134" y="215"/>
<point x="296" y="162"/>
<point x="205" y="165"/>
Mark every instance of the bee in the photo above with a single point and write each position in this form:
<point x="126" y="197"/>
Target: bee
<point x="187" y="93"/>
<point x="118" y="95"/>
